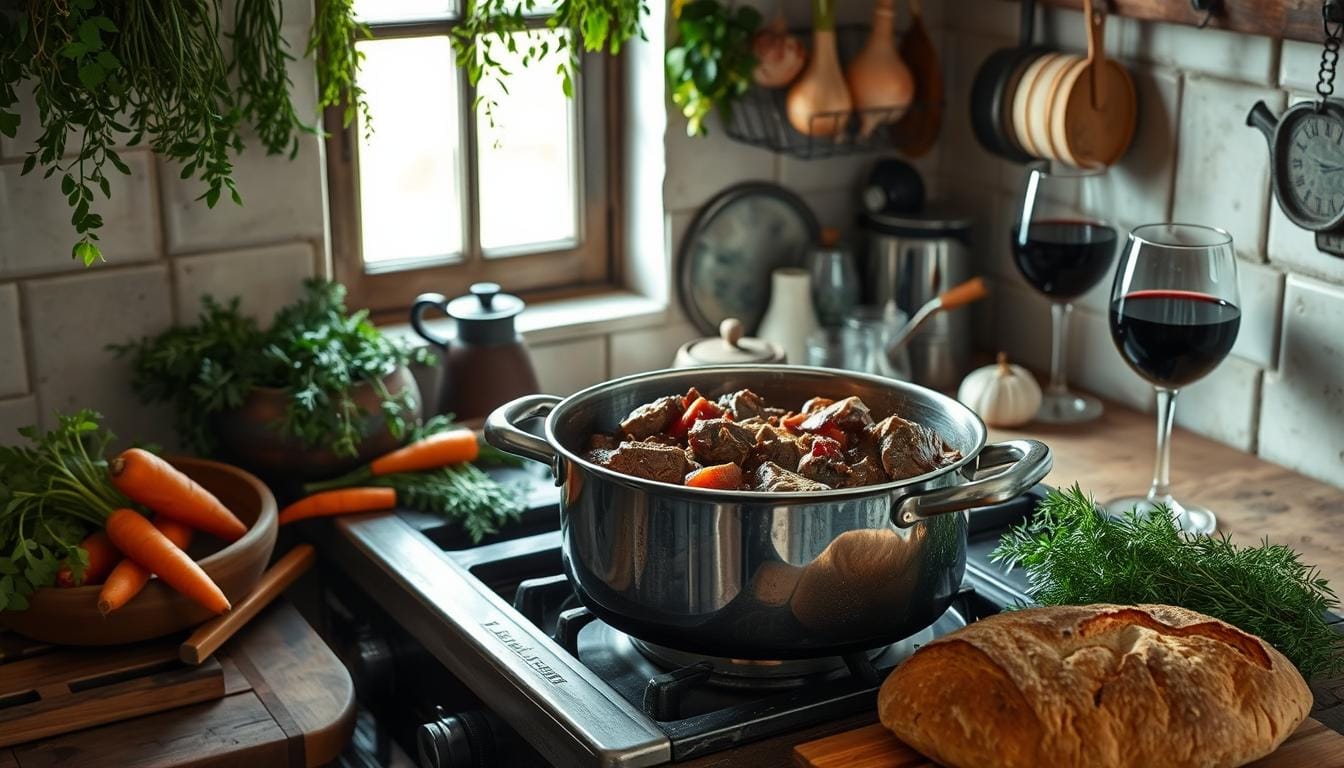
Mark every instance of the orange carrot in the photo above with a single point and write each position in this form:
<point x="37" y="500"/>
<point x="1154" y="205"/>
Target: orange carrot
<point x="793" y="421"/>
<point x="149" y="480"/>
<point x="128" y="578"/>
<point x="102" y="557"/>
<point x="153" y="551"/>
<point x="455" y="446"/>
<point x="721" y="477"/>
<point x="339" y="502"/>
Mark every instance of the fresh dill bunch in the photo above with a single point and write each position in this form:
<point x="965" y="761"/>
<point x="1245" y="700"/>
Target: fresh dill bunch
<point x="1074" y="555"/>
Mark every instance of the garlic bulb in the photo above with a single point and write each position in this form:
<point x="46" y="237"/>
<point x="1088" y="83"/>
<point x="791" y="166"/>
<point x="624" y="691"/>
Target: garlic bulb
<point x="1004" y="395"/>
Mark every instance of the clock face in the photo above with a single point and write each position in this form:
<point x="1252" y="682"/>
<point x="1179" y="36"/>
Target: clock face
<point x="1315" y="166"/>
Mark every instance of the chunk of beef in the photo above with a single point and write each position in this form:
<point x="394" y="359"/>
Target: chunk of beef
<point x="650" y="461"/>
<point x="828" y="468"/>
<point x="784" y="451"/>
<point x="849" y="414"/>
<point x="652" y="418"/>
<point x="719" y="441"/>
<point x="772" y="477"/>
<point x="908" y="449"/>
<point x="601" y="441"/>
<point x="743" y="404"/>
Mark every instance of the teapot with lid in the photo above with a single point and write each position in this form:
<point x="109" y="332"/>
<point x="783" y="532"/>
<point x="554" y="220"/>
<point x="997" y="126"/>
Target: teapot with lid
<point x="486" y="364"/>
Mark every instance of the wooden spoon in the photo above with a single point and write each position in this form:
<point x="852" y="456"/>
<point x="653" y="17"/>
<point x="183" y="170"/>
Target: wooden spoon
<point x="917" y="132"/>
<point x="1092" y="119"/>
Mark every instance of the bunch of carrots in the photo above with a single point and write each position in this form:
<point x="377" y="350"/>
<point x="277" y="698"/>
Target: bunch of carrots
<point x="130" y="546"/>
<point x="363" y="491"/>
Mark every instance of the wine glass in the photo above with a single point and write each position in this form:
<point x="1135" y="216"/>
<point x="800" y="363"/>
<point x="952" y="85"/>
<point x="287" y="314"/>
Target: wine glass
<point x="1063" y="257"/>
<point x="1174" y="317"/>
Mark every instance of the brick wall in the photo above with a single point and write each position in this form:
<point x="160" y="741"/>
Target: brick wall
<point x="1281" y="392"/>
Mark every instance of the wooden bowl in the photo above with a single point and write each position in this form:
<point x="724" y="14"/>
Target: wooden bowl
<point x="70" y="616"/>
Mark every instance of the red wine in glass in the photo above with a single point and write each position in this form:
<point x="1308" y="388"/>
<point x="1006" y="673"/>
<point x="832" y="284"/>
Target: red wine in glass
<point x="1064" y="259"/>
<point x="1171" y="337"/>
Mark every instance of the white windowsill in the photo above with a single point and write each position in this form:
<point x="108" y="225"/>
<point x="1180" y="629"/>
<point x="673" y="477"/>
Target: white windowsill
<point x="563" y="319"/>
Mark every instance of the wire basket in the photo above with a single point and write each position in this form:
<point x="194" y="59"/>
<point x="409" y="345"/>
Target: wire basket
<point x="760" y="118"/>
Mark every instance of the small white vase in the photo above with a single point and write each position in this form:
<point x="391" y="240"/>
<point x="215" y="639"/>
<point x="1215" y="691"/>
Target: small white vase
<point x="789" y="319"/>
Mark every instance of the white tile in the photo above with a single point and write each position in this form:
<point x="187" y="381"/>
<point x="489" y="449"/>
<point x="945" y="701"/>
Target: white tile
<point x="282" y="200"/>
<point x="72" y="319"/>
<point x="1223" y="406"/>
<point x="1299" y="65"/>
<point x="962" y="156"/>
<point x="835" y="208"/>
<point x="1096" y="366"/>
<point x="1293" y="249"/>
<point x="848" y="171"/>
<point x="648" y="350"/>
<point x="1302" y="411"/>
<point x="1261" y="289"/>
<point x="35" y="231"/>
<point x="699" y="167"/>
<point x="1222" y="174"/>
<point x="13" y="366"/>
<point x="15" y="414"/>
<point x="1066" y="29"/>
<point x="567" y="367"/>
<point x="1021" y="325"/>
<point x="1137" y="190"/>
<point x="266" y="279"/>
<point x="1249" y="58"/>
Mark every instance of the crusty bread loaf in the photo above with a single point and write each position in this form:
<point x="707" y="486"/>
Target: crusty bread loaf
<point x="1101" y="686"/>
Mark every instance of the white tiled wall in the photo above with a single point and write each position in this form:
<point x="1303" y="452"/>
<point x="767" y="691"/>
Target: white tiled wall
<point x="1281" y="392"/>
<point x="163" y="250"/>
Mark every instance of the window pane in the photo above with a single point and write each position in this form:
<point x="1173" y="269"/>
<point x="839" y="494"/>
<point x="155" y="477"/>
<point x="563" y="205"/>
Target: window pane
<point x="410" y="169"/>
<point x="383" y="11"/>
<point x="529" y="185"/>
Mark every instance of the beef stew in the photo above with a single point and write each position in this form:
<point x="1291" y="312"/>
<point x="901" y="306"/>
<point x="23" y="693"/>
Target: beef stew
<point x="825" y="445"/>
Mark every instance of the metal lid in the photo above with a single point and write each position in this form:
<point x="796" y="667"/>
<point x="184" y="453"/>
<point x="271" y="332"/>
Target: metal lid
<point x="934" y="221"/>
<point x="729" y="347"/>
<point x="486" y="316"/>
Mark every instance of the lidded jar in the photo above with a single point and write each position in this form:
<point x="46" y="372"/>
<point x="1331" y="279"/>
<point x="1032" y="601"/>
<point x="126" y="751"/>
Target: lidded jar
<point x="730" y="347"/>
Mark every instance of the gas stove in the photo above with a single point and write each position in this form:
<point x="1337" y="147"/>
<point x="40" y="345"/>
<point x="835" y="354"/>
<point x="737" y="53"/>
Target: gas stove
<point x="481" y="655"/>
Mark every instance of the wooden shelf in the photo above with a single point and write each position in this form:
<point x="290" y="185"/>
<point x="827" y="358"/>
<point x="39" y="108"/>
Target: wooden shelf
<point x="1285" y="19"/>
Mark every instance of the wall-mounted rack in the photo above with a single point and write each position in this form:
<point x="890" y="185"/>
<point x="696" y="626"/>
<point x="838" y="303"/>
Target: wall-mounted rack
<point x="1286" y="19"/>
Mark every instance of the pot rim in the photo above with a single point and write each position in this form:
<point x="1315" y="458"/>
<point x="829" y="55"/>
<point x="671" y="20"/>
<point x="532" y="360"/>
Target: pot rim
<point x="764" y="498"/>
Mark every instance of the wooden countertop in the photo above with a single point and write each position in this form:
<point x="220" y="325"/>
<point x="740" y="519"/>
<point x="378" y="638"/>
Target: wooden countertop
<point x="1253" y="499"/>
<point x="1113" y="457"/>
<point x="288" y="702"/>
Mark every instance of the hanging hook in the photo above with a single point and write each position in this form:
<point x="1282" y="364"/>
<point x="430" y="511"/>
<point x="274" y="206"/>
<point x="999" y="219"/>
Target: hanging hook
<point x="1209" y="7"/>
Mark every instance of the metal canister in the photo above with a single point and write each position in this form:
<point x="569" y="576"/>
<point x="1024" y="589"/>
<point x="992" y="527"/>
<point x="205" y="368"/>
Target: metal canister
<point x="911" y="259"/>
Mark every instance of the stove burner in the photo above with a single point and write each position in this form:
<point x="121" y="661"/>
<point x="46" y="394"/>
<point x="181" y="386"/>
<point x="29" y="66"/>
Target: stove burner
<point x="735" y="673"/>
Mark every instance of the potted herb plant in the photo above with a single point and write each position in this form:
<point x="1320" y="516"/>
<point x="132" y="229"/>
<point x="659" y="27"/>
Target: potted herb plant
<point x="315" y="394"/>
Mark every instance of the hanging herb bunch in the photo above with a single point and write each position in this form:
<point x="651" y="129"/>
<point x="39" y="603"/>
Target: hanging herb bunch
<point x="171" y="74"/>
<point x="493" y="29"/>
<point x="711" y="64"/>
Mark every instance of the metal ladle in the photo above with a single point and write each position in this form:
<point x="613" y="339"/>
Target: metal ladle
<point x="957" y="296"/>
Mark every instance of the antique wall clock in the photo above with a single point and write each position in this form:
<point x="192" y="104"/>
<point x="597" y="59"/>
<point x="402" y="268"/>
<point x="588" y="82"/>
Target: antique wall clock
<point x="1306" y="149"/>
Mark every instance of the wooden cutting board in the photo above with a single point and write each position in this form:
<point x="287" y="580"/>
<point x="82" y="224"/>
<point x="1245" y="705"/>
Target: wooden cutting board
<point x="875" y="747"/>
<point x="45" y="691"/>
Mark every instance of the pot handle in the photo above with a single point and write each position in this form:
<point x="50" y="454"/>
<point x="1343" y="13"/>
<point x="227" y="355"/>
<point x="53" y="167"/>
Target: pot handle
<point x="423" y="302"/>
<point x="502" y="430"/>
<point x="1027" y="463"/>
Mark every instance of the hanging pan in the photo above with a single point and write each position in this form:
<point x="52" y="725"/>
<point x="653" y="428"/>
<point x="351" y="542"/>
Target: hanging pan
<point x="992" y="90"/>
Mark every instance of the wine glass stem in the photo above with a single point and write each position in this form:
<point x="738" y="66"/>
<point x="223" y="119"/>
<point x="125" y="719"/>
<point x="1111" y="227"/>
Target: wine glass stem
<point x="1059" y="349"/>
<point x="1166" y="414"/>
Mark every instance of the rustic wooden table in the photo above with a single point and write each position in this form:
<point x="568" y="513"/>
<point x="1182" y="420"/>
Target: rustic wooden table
<point x="288" y="702"/>
<point x="1113" y="457"/>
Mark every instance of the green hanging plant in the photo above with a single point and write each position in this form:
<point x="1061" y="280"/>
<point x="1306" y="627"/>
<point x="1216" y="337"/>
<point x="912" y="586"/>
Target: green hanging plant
<point x="710" y="66"/>
<point x="156" y="72"/>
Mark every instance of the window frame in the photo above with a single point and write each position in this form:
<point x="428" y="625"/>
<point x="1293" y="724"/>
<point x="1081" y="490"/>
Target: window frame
<point x="587" y="266"/>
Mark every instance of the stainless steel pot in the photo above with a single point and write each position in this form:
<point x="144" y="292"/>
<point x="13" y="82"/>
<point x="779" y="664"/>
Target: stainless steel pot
<point x="752" y="575"/>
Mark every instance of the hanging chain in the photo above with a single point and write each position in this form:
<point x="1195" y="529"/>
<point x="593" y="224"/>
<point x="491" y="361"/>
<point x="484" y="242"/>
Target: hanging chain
<point x="1332" y="19"/>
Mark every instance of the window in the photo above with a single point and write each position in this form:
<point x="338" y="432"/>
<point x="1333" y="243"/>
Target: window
<point x="439" y="196"/>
